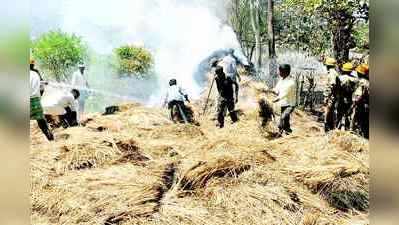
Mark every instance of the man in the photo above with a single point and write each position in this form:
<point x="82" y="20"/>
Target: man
<point x="79" y="82"/>
<point x="348" y="83"/>
<point x="309" y="97"/>
<point x="330" y="94"/>
<point x="228" y="96"/>
<point x="176" y="96"/>
<point x="360" y="120"/>
<point x="229" y="64"/>
<point x="42" y="83"/>
<point x="286" y="96"/>
<point x="36" y="110"/>
<point x="64" y="105"/>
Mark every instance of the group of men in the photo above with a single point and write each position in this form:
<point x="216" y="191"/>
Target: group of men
<point x="62" y="105"/>
<point x="227" y="79"/>
<point x="347" y="97"/>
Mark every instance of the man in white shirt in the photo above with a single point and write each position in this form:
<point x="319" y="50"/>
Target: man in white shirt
<point x="286" y="96"/>
<point x="64" y="105"/>
<point x="79" y="82"/>
<point x="176" y="96"/>
<point x="36" y="110"/>
<point x="42" y="82"/>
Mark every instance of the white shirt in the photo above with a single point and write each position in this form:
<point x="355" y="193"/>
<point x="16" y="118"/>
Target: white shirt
<point x="34" y="84"/>
<point x="332" y="76"/>
<point x="348" y="78"/>
<point x="78" y="81"/>
<point x="56" y="103"/>
<point x="286" y="89"/>
<point x="229" y="66"/>
<point x="175" y="93"/>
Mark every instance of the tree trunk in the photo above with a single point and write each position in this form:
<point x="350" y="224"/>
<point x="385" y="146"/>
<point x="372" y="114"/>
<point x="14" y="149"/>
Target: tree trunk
<point x="251" y="52"/>
<point x="254" y="10"/>
<point x="272" y="79"/>
<point x="270" y="29"/>
<point x="341" y="39"/>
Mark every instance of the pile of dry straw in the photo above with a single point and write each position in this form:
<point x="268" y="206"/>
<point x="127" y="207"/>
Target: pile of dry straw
<point x="136" y="167"/>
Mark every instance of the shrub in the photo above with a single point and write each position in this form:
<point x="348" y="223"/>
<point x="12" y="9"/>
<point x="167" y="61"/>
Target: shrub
<point x="58" y="53"/>
<point x="133" y="60"/>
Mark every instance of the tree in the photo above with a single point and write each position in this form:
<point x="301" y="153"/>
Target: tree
<point x="270" y="28"/>
<point x="240" y="19"/>
<point x="58" y="53"/>
<point x="254" y="12"/>
<point x="296" y="29"/>
<point x="133" y="60"/>
<point x="341" y="17"/>
<point x="271" y="43"/>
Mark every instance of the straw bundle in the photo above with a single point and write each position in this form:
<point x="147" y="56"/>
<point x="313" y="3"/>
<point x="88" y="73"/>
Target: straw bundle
<point x="100" y="196"/>
<point x="343" y="186"/>
<point x="347" y="141"/>
<point x="220" y="162"/>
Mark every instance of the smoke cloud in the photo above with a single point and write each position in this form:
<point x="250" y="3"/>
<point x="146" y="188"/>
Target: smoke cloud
<point x="179" y="33"/>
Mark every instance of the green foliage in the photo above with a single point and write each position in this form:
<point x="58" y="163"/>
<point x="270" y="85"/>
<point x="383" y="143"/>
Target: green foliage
<point x="133" y="60"/>
<point x="327" y="6"/>
<point x="361" y="35"/>
<point x="297" y="30"/>
<point x="58" y="53"/>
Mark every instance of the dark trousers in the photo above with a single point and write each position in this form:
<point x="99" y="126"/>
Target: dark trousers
<point x="329" y="122"/>
<point x="344" y="113"/>
<point x="285" y="119"/>
<point x="360" y="121"/>
<point x="221" y="107"/>
<point x="42" y="123"/>
<point x="177" y="104"/>
<point x="69" y="119"/>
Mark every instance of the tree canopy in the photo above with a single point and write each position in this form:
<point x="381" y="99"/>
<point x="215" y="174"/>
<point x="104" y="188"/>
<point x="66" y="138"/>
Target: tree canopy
<point x="133" y="60"/>
<point x="314" y="26"/>
<point x="58" y="53"/>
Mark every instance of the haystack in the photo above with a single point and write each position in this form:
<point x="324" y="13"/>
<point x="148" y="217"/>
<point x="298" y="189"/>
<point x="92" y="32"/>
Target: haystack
<point x="220" y="163"/>
<point x="143" y="169"/>
<point x="100" y="196"/>
<point x="347" y="141"/>
<point x="344" y="186"/>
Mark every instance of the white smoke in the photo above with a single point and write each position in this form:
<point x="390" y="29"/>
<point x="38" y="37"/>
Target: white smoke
<point x="179" y="33"/>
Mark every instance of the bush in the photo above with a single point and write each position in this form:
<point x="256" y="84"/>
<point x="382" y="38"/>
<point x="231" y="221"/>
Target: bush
<point x="133" y="60"/>
<point x="58" y="53"/>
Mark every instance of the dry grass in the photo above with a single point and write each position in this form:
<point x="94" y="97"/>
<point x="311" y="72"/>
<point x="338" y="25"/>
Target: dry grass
<point x="137" y="167"/>
<point x="100" y="196"/>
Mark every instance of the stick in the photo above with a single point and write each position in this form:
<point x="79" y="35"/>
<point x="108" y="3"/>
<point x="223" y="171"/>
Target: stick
<point x="182" y="113"/>
<point x="209" y="94"/>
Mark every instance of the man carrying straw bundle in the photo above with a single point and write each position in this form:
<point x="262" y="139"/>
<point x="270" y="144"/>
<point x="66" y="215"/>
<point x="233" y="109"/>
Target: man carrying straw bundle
<point x="286" y="96"/>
